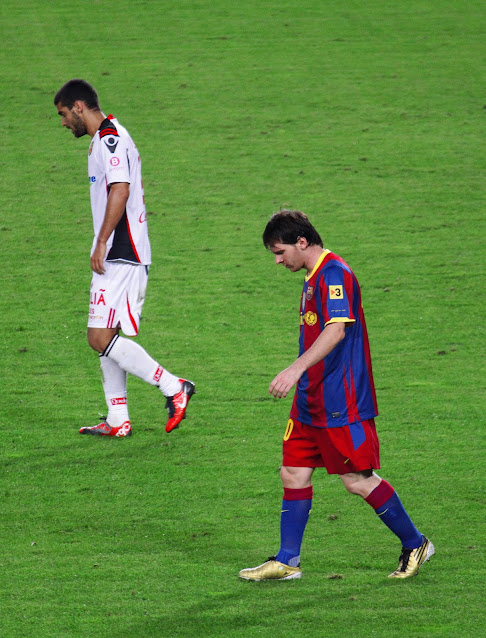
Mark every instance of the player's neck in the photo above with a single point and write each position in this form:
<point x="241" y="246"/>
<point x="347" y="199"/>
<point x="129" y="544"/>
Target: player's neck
<point x="93" y="122"/>
<point x="312" y="257"/>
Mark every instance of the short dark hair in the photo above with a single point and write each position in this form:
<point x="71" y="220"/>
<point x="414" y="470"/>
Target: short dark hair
<point x="286" y="226"/>
<point x="77" y="90"/>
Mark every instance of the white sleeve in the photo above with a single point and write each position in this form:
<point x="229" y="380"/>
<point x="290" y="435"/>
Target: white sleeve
<point x="114" y="155"/>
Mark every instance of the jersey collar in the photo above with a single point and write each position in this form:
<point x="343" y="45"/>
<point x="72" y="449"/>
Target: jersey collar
<point x="318" y="264"/>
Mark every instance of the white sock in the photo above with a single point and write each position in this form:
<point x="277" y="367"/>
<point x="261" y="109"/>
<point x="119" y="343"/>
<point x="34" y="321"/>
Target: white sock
<point x="132" y="358"/>
<point x="114" y="381"/>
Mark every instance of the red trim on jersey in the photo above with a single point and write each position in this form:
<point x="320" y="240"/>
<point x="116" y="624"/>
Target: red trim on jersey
<point x="324" y="292"/>
<point x="348" y="287"/>
<point x="131" y="240"/>
<point x="109" y="131"/>
<point x="367" y="353"/>
<point x="351" y="401"/>
<point x="110" y="117"/>
<point x="130" y="316"/>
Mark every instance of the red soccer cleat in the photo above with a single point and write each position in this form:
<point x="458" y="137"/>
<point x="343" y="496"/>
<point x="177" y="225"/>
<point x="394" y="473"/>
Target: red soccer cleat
<point x="103" y="429"/>
<point x="176" y="405"/>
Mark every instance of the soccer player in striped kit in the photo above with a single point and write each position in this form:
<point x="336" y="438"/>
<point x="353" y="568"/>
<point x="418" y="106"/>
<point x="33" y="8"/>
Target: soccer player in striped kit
<point x="120" y="259"/>
<point x="331" y="421"/>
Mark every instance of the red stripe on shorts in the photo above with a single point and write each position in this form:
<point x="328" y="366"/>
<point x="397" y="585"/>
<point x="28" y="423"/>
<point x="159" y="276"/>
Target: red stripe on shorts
<point x="111" y="318"/>
<point x="134" y="323"/>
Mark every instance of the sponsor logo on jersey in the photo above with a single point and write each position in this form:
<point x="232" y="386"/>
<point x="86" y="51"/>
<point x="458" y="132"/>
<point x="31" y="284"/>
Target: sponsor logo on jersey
<point x="310" y="318"/>
<point x="115" y="161"/>
<point x="111" y="143"/>
<point x="309" y="293"/>
<point x="335" y="292"/>
<point x="92" y="179"/>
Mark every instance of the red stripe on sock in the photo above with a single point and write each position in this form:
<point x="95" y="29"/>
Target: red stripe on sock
<point x="297" y="495"/>
<point x="380" y="495"/>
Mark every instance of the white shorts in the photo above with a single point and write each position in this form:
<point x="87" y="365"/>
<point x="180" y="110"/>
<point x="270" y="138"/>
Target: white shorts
<point x="116" y="298"/>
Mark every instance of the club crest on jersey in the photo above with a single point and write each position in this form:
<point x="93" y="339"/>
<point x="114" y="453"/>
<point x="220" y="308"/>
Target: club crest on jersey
<point x="310" y="318"/>
<point x="309" y="293"/>
<point x="111" y="143"/>
<point x="335" y="292"/>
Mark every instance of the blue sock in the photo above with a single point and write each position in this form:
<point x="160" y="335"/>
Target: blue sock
<point x="388" y="506"/>
<point x="296" y="507"/>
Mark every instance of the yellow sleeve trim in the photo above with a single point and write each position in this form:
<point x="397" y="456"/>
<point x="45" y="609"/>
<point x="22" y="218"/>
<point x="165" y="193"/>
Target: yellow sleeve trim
<point x="345" y="320"/>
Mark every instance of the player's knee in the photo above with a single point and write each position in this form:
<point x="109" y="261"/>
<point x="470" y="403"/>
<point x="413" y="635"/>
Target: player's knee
<point x="284" y="474"/>
<point x="357" y="483"/>
<point x="94" y="342"/>
<point x="352" y="488"/>
<point x="295" y="477"/>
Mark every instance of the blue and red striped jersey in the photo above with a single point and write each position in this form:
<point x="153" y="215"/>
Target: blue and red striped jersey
<point x="338" y="390"/>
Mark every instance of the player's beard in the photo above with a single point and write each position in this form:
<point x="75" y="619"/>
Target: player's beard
<point x="77" y="125"/>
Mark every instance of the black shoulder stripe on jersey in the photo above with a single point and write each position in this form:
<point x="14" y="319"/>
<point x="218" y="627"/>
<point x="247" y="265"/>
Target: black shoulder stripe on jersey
<point x="108" y="128"/>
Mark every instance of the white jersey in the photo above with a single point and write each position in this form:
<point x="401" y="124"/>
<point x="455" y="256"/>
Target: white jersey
<point x="113" y="157"/>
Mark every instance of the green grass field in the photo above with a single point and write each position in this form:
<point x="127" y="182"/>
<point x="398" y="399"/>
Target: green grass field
<point x="369" y="117"/>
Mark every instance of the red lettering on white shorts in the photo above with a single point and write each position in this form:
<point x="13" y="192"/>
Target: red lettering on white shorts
<point x="97" y="298"/>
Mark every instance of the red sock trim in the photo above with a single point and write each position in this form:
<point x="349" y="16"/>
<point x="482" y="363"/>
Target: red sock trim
<point x="380" y="495"/>
<point x="297" y="495"/>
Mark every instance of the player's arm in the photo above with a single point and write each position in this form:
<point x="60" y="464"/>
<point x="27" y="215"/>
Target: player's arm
<point x="329" y="338"/>
<point x="115" y="207"/>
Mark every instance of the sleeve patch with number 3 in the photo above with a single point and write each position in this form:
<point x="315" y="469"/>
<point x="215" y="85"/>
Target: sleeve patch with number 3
<point x="335" y="292"/>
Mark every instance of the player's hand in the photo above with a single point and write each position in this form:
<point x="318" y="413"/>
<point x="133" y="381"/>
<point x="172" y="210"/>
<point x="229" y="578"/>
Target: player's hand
<point x="284" y="382"/>
<point x="98" y="258"/>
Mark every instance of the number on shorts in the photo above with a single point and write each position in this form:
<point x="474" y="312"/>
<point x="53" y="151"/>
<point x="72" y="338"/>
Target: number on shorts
<point x="288" y="430"/>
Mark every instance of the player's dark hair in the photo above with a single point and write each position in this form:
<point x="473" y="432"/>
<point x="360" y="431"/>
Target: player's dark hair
<point x="77" y="90"/>
<point x="286" y="226"/>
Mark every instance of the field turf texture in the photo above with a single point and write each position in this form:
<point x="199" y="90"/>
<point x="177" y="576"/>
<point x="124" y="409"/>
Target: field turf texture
<point x="370" y="117"/>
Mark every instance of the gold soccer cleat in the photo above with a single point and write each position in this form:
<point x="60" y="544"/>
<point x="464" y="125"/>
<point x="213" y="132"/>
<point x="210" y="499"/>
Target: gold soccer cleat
<point x="411" y="560"/>
<point x="271" y="569"/>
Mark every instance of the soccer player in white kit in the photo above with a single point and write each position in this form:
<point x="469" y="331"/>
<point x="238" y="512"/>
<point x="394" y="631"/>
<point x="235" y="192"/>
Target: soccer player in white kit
<point x="120" y="258"/>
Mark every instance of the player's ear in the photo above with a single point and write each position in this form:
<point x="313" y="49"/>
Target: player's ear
<point x="79" y="106"/>
<point x="302" y="243"/>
